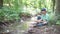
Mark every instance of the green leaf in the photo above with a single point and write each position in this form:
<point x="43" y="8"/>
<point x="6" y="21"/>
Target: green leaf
<point x="58" y="22"/>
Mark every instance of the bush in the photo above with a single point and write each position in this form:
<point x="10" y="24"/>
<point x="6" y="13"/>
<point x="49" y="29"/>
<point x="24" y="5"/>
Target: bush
<point x="53" y="19"/>
<point x="58" y="22"/>
<point x="7" y="13"/>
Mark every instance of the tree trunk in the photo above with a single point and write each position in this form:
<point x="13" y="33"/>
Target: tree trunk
<point x="58" y="14"/>
<point x="53" y="4"/>
<point x="58" y="9"/>
<point x="1" y="3"/>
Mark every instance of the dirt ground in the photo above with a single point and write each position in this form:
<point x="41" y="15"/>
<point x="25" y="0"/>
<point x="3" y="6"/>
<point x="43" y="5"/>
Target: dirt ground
<point x="43" y="30"/>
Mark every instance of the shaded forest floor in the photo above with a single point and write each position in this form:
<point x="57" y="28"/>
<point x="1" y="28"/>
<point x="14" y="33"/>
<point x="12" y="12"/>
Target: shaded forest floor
<point x="43" y="30"/>
<point x="22" y="28"/>
<point x="53" y="29"/>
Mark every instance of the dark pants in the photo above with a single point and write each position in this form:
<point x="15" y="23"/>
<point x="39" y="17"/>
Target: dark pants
<point x="40" y="24"/>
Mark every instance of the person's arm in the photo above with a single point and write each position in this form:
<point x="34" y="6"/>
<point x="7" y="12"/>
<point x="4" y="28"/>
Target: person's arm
<point x="38" y="20"/>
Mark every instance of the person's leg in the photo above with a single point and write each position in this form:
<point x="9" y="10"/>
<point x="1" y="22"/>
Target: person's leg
<point x="40" y="24"/>
<point x="45" y="23"/>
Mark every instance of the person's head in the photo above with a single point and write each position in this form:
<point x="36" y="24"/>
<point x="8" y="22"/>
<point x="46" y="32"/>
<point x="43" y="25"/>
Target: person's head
<point x="43" y="11"/>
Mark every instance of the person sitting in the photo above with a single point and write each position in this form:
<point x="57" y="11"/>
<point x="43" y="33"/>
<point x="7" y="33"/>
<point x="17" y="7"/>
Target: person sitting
<point x="43" y="19"/>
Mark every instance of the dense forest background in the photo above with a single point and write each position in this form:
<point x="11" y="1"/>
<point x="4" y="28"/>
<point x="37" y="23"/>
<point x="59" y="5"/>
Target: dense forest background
<point x="13" y="9"/>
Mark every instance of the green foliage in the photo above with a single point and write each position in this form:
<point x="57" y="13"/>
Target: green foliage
<point x="38" y="3"/>
<point x="53" y="19"/>
<point x="58" y="22"/>
<point x="8" y="14"/>
<point x="12" y="9"/>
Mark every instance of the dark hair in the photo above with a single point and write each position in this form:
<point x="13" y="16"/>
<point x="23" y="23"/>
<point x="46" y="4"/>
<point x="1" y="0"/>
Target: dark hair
<point x="43" y="9"/>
